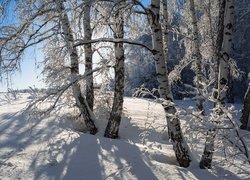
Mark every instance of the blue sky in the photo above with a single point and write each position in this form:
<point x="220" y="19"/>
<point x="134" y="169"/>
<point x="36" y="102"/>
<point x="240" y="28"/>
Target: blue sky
<point x="29" y="74"/>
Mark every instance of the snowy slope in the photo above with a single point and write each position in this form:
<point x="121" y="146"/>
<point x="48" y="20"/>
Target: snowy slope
<point x="48" y="149"/>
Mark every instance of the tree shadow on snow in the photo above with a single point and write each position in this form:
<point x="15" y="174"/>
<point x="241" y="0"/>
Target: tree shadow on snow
<point x="130" y="130"/>
<point x="67" y="157"/>
<point x="91" y="157"/>
<point x="18" y="133"/>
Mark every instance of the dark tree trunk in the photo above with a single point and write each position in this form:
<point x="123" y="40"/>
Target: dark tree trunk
<point x="246" y="110"/>
<point x="226" y="11"/>
<point x="197" y="56"/>
<point x="207" y="156"/>
<point x="230" y="94"/>
<point x="112" y="128"/>
<point x="88" y="55"/>
<point x="218" y="45"/>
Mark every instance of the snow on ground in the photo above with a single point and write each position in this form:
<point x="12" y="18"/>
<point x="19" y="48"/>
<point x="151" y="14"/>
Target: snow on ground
<point x="35" y="148"/>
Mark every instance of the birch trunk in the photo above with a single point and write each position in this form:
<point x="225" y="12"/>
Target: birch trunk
<point x="226" y="50"/>
<point x="174" y="128"/>
<point x="74" y="59"/>
<point x="230" y="94"/>
<point x="88" y="55"/>
<point x="196" y="55"/>
<point x="207" y="156"/>
<point x="218" y="44"/>
<point x="165" y="26"/>
<point x="246" y="110"/>
<point x="212" y="34"/>
<point x="224" y="14"/>
<point x="112" y="128"/>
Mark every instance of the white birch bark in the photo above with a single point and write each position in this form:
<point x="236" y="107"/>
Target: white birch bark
<point x="165" y="26"/>
<point x="112" y="128"/>
<point x="226" y="50"/>
<point x="74" y="59"/>
<point x="88" y="54"/>
<point x="196" y="54"/>
<point x="174" y="128"/>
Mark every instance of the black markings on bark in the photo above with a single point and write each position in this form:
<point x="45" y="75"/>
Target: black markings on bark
<point x="112" y="128"/>
<point x="79" y="98"/>
<point x="179" y="147"/>
<point x="229" y="26"/>
<point x="223" y="81"/>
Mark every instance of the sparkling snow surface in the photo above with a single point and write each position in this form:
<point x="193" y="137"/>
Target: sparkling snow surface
<point x="49" y="149"/>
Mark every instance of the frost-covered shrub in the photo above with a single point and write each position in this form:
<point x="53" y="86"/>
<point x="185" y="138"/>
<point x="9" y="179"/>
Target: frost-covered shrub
<point x="103" y="104"/>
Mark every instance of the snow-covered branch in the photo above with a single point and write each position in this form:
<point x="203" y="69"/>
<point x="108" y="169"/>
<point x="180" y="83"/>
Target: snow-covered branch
<point x="80" y="42"/>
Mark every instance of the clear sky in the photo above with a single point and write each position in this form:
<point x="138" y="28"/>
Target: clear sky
<point x="29" y="74"/>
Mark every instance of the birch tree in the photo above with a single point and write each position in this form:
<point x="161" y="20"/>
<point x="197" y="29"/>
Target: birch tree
<point x="165" y="27"/>
<point x="112" y="128"/>
<point x="218" y="45"/>
<point x="174" y="127"/>
<point x="88" y="54"/>
<point x="226" y="14"/>
<point x="196" y="54"/>
<point x="74" y="69"/>
<point x="207" y="156"/>
<point x="226" y="50"/>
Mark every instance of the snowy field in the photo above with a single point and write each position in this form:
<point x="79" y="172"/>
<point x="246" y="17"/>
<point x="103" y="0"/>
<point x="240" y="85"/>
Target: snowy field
<point x="47" y="148"/>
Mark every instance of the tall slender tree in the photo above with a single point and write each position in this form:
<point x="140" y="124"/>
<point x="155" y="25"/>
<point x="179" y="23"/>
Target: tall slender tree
<point x="88" y="54"/>
<point x="165" y="28"/>
<point x="223" y="54"/>
<point x="74" y="68"/>
<point x="218" y="45"/>
<point x="226" y="50"/>
<point x="196" y="54"/>
<point x="112" y="128"/>
<point x="174" y="127"/>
